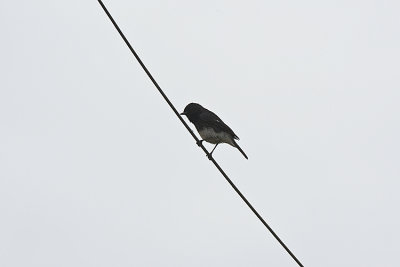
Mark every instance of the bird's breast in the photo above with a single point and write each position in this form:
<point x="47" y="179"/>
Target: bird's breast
<point x="211" y="136"/>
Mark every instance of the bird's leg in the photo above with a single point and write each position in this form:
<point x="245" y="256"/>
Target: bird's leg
<point x="214" y="148"/>
<point x="210" y="155"/>
<point x="199" y="142"/>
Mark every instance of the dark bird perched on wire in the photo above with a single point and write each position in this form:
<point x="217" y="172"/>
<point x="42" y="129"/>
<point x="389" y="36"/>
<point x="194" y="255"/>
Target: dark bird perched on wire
<point x="210" y="127"/>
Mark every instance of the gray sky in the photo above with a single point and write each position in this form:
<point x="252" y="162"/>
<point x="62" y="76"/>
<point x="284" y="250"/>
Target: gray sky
<point x="96" y="170"/>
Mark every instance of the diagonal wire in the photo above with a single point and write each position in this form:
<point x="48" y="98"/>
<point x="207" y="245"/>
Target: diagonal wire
<point x="195" y="137"/>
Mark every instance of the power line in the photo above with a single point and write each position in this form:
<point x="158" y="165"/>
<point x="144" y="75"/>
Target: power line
<point x="195" y="137"/>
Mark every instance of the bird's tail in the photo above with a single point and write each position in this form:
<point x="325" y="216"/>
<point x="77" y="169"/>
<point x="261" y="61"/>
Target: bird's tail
<point x="241" y="151"/>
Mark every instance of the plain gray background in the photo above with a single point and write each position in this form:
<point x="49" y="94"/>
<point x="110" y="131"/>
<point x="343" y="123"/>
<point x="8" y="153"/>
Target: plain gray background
<point x="96" y="170"/>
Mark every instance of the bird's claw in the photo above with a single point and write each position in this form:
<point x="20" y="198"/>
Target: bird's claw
<point x="209" y="156"/>
<point x="199" y="142"/>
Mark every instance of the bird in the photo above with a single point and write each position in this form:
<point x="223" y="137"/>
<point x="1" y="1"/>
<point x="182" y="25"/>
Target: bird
<point x="210" y="127"/>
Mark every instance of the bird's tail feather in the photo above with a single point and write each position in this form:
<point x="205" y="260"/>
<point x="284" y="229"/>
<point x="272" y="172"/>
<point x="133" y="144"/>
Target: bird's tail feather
<point x="241" y="151"/>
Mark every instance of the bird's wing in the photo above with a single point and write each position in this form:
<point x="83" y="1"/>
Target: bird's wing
<point x="210" y="119"/>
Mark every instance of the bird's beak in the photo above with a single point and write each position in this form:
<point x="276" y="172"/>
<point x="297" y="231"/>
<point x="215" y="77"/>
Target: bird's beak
<point x="183" y="113"/>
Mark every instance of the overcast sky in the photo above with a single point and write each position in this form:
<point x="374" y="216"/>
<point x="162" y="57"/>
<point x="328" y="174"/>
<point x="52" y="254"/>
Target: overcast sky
<point x="96" y="170"/>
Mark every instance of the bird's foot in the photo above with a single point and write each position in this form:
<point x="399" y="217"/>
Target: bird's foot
<point x="199" y="142"/>
<point x="209" y="156"/>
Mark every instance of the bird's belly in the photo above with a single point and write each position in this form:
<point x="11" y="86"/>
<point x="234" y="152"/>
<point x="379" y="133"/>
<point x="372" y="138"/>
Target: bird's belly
<point x="213" y="137"/>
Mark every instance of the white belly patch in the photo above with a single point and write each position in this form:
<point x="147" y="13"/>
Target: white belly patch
<point x="213" y="137"/>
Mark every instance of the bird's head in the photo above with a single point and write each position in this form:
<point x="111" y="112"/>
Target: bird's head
<point x="192" y="111"/>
